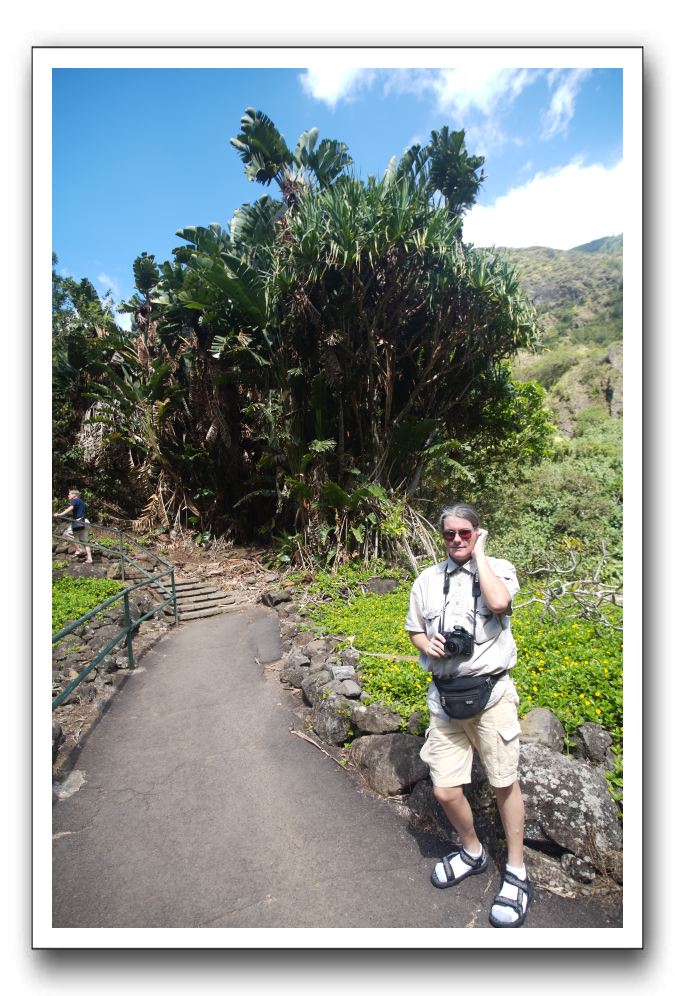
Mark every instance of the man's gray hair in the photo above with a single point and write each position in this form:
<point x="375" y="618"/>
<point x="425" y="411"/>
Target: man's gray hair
<point x="459" y="511"/>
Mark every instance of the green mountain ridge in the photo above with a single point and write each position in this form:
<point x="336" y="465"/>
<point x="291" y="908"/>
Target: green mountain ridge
<point x="609" y="244"/>
<point x="578" y="294"/>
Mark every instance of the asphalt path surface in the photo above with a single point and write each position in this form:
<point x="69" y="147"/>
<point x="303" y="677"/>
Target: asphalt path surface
<point x="191" y="804"/>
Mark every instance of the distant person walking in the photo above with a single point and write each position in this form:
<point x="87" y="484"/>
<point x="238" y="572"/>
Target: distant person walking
<point x="77" y="511"/>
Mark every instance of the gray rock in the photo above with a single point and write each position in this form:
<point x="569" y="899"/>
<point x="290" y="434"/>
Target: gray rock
<point x="286" y="610"/>
<point x="320" y="664"/>
<point x="107" y="633"/>
<point x="427" y="813"/>
<point x="330" y="719"/>
<point x="333" y="688"/>
<point x="342" y="671"/>
<point x="318" y="647"/>
<point x="576" y="868"/>
<point x="547" y="873"/>
<point x="350" y="657"/>
<point x="351" y="689"/>
<point x="593" y="742"/>
<point x="380" y="586"/>
<point x="541" y="726"/>
<point x="312" y="685"/>
<point x="275" y="597"/>
<point x="296" y="657"/>
<point x="303" y="638"/>
<point x="375" y="719"/>
<point x="390" y="764"/>
<point x="567" y="802"/>
<point x="84" y="692"/>
<point x="294" y="675"/>
<point x="57" y="737"/>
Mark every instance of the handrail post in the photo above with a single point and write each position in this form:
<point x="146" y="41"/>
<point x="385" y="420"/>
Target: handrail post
<point x="120" y="535"/>
<point x="127" y="624"/>
<point x="175" y="600"/>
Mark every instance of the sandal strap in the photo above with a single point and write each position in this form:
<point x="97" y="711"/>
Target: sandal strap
<point x="520" y="883"/>
<point x="523" y="887"/>
<point x="466" y="858"/>
<point x="515" y="904"/>
<point x="469" y="860"/>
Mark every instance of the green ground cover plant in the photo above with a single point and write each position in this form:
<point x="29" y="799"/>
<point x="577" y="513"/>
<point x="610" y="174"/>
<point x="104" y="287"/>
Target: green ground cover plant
<point x="74" y="597"/>
<point x="113" y="543"/>
<point x="565" y="664"/>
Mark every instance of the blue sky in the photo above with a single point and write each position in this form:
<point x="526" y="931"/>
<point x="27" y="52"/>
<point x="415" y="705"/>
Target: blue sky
<point x="140" y="153"/>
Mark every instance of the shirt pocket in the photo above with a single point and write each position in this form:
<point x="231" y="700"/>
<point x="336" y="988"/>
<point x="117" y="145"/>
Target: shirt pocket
<point x="431" y="622"/>
<point x="488" y="625"/>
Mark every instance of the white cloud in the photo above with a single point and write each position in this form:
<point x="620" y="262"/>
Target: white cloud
<point x="560" y="209"/>
<point x="561" y="108"/>
<point x="124" y="321"/>
<point x="330" y="84"/>
<point x="105" y="281"/>
<point x="480" y="88"/>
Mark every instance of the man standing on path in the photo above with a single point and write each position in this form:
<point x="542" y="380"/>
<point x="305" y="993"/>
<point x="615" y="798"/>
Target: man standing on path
<point x="77" y="511"/>
<point x="459" y="621"/>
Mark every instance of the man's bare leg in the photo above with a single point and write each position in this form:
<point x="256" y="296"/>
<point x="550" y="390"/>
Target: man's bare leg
<point x="512" y="812"/>
<point x="458" y="812"/>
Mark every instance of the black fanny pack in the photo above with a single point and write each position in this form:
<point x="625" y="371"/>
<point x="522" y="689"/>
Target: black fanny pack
<point x="78" y="524"/>
<point x="464" y="697"/>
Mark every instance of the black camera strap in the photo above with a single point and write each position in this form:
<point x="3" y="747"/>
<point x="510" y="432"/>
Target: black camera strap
<point x="475" y="591"/>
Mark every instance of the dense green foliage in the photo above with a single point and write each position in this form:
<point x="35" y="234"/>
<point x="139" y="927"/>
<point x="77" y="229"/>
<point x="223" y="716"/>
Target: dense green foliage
<point x="571" y="502"/>
<point x="306" y="370"/>
<point x="74" y="597"/>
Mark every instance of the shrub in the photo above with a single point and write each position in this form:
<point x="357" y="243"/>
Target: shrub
<point x="74" y="597"/>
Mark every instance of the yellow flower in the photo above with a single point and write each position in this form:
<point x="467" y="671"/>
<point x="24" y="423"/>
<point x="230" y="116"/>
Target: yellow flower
<point x="597" y="695"/>
<point x="597" y="712"/>
<point x="581" y="695"/>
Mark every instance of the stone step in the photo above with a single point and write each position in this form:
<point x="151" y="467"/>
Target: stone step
<point x="204" y="596"/>
<point x="204" y="603"/>
<point x="201" y="613"/>
<point x="189" y="607"/>
<point x="200" y="589"/>
<point x="183" y="591"/>
<point x="205" y="589"/>
<point x="197" y="599"/>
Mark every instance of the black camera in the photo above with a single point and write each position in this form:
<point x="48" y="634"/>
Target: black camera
<point x="458" y="642"/>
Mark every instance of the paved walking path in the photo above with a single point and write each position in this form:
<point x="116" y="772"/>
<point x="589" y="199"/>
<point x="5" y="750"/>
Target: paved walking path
<point x="198" y="808"/>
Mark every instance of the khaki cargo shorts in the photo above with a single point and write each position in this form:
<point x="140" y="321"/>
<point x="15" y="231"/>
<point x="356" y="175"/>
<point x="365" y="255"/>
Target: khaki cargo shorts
<point x="494" y="733"/>
<point x="77" y="535"/>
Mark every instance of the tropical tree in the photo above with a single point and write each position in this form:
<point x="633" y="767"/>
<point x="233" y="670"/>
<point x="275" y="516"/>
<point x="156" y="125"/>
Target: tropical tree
<point x="82" y="330"/>
<point x="375" y="334"/>
<point x="331" y="345"/>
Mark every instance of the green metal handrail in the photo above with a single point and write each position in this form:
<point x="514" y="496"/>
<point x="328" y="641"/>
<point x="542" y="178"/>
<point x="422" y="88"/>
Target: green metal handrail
<point x="129" y="624"/>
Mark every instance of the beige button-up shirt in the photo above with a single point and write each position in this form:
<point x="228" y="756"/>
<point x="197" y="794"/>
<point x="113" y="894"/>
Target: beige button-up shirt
<point x="495" y="648"/>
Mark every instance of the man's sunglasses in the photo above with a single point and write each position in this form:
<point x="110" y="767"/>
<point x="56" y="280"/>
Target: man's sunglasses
<point x="465" y="534"/>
